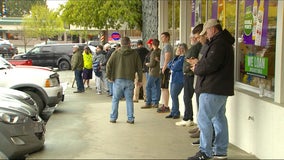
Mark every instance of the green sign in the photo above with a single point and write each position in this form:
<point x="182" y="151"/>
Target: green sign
<point x="256" y="65"/>
<point x="248" y="21"/>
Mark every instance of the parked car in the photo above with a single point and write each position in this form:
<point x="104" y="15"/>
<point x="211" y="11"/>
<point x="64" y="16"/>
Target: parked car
<point x="51" y="55"/>
<point x="22" y="131"/>
<point x="40" y="83"/>
<point x="19" y="95"/>
<point x="7" y="50"/>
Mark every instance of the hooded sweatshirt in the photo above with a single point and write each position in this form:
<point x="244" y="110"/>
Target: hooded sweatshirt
<point x="123" y="64"/>
<point x="215" y="70"/>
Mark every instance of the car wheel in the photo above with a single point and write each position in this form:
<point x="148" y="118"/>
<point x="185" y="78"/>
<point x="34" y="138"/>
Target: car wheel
<point x="37" y="99"/>
<point x="64" y="65"/>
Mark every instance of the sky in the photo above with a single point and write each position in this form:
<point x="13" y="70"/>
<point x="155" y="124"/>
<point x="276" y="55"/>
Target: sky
<point x="54" y="4"/>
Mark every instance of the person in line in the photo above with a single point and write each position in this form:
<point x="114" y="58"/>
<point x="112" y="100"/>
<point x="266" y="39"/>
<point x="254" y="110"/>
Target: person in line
<point x="188" y="77"/>
<point x="215" y="82"/>
<point x="106" y="50"/>
<point x="88" y="66"/>
<point x="97" y="61"/>
<point x="121" y="69"/>
<point x="176" y="66"/>
<point x="166" y="56"/>
<point x="77" y="65"/>
<point x="153" y="86"/>
<point x="142" y="52"/>
<point x="195" y="132"/>
<point x="107" y="56"/>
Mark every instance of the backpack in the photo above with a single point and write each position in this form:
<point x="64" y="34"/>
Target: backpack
<point x="97" y="68"/>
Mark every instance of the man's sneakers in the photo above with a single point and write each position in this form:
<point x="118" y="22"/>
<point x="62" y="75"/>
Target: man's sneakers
<point x="202" y="156"/>
<point x="199" y="156"/>
<point x="146" y="106"/>
<point x="185" y="123"/>
<point x="221" y="157"/>
<point x="163" y="109"/>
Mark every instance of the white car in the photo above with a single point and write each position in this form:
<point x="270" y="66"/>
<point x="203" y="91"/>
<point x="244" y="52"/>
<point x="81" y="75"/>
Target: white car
<point x="41" y="84"/>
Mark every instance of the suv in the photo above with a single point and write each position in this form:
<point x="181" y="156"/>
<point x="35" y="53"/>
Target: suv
<point x="51" y="55"/>
<point x="41" y="84"/>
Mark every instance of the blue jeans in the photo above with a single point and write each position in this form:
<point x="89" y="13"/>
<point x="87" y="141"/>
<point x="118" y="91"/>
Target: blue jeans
<point x="79" y="80"/>
<point x="153" y="90"/>
<point x="110" y="87"/>
<point x="122" y="87"/>
<point x="211" y="114"/>
<point x="175" y="91"/>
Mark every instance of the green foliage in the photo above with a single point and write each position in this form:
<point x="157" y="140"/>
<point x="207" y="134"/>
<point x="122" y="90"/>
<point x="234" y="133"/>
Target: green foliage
<point x="18" y="8"/>
<point x="42" y="23"/>
<point x="103" y="14"/>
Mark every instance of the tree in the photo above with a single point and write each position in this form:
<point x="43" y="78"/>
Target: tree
<point x="18" y="8"/>
<point x="103" y="14"/>
<point x="42" y="23"/>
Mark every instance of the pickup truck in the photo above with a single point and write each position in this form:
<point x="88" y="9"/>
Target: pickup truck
<point x="43" y="85"/>
<point x="16" y="62"/>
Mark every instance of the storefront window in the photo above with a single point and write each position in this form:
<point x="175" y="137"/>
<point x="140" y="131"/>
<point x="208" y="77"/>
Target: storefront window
<point x="225" y="11"/>
<point x="256" y="39"/>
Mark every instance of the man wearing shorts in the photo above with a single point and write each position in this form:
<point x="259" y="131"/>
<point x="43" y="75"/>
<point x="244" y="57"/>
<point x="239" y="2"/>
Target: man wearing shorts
<point x="88" y="68"/>
<point x="166" y="56"/>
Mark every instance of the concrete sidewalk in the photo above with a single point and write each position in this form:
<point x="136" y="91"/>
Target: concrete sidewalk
<point x="79" y="128"/>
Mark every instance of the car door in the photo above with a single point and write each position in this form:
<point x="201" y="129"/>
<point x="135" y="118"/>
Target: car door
<point x="40" y="56"/>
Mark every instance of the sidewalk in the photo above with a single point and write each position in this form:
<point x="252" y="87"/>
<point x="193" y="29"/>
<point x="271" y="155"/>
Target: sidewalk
<point x="79" y="128"/>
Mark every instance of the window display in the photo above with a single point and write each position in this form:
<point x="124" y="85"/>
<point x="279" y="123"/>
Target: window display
<point x="256" y="52"/>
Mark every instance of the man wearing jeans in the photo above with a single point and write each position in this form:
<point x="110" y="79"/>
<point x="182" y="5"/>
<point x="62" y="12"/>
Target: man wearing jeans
<point x="215" y="82"/>
<point x="77" y="65"/>
<point x="121" y="69"/>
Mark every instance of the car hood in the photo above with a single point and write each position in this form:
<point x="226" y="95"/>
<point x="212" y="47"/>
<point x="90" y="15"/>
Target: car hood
<point x="26" y="73"/>
<point x="34" y="67"/>
<point x="11" y="104"/>
<point x="7" y="92"/>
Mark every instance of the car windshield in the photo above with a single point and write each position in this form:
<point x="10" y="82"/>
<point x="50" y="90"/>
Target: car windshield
<point x="4" y="64"/>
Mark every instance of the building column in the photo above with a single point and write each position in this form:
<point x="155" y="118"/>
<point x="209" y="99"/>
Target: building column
<point x="279" y="69"/>
<point x="162" y="17"/>
<point x="185" y="21"/>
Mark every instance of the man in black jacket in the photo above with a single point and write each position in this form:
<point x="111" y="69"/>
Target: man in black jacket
<point x="215" y="82"/>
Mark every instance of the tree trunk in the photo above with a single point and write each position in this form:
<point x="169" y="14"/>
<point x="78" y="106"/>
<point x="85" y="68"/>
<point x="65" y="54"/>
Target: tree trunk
<point x="150" y="19"/>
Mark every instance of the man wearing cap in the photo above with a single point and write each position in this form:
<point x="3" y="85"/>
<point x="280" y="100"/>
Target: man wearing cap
<point x="142" y="52"/>
<point x="77" y="65"/>
<point x="121" y="68"/>
<point x="215" y="82"/>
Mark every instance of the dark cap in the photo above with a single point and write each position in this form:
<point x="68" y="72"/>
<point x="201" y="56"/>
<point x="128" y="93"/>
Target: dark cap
<point x="139" y="42"/>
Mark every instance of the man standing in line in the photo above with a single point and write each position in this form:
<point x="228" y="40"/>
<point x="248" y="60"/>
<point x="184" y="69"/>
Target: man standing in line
<point x="188" y="77"/>
<point x="166" y="56"/>
<point x="215" y="82"/>
<point x="121" y="69"/>
<point x="77" y="66"/>
<point x="88" y="66"/>
<point x="142" y="52"/>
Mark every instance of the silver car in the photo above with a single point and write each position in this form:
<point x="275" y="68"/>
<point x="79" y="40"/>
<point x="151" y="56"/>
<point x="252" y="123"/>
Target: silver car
<point x="22" y="131"/>
<point x="19" y="95"/>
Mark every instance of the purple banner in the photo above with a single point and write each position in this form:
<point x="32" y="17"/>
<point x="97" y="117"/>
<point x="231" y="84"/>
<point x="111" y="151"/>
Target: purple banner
<point x="193" y="13"/>
<point x="256" y="22"/>
<point x="214" y="9"/>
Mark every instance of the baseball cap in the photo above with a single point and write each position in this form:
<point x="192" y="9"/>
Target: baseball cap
<point x="209" y="23"/>
<point x="75" y="46"/>
<point x="150" y="41"/>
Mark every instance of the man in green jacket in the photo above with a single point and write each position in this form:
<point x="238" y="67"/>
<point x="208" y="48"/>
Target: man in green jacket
<point x="77" y="64"/>
<point x="121" y="69"/>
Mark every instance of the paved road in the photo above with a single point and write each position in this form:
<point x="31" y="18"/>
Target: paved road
<point x="79" y="128"/>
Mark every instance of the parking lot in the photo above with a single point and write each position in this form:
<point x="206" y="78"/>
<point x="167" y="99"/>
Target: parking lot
<point x="79" y="128"/>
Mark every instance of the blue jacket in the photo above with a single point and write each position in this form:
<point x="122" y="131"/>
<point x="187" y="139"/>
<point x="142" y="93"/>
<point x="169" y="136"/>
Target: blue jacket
<point x="176" y="67"/>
